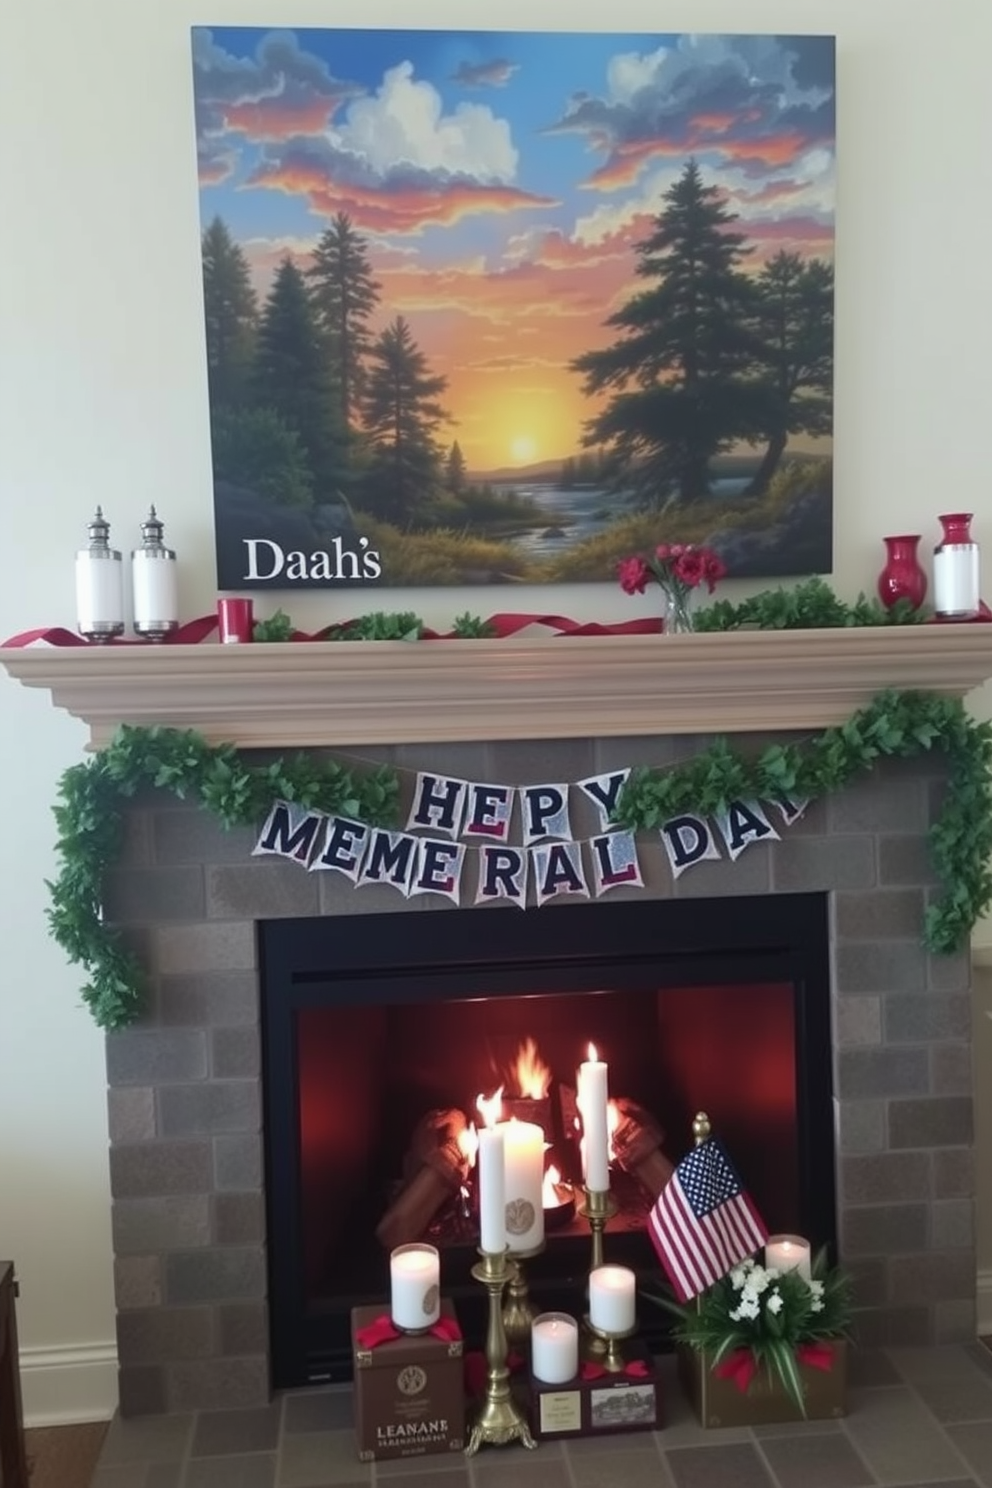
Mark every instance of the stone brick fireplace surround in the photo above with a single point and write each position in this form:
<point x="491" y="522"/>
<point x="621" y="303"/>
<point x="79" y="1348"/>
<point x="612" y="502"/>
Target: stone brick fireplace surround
<point x="184" y="1096"/>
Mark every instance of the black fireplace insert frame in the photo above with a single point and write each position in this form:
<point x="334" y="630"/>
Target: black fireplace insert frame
<point x="418" y="957"/>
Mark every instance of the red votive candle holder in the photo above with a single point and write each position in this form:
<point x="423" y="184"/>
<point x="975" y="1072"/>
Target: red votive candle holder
<point x="236" y="621"/>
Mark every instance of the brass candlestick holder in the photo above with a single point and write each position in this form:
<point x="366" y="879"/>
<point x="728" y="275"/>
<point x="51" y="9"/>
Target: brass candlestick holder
<point x="599" y="1208"/>
<point x="607" y="1348"/>
<point x="500" y="1419"/>
<point x="518" y="1310"/>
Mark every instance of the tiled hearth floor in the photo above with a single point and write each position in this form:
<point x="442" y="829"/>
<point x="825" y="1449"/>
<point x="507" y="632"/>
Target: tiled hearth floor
<point x="917" y="1416"/>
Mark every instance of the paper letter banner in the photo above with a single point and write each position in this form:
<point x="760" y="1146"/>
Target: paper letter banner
<point x="604" y="793"/>
<point x="344" y="847"/>
<point x="290" y="831"/>
<point x="687" y="840"/>
<point x="391" y="858"/>
<point x="742" y="824"/>
<point x="438" y="804"/>
<point x="438" y="868"/>
<point x="545" y="812"/>
<point x="557" y="869"/>
<point x="614" y="862"/>
<point x="502" y="875"/>
<point x="489" y="810"/>
<point x="791" y="808"/>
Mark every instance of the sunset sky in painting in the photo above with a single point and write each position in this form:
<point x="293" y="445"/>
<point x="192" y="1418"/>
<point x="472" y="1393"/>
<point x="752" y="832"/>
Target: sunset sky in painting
<point x="502" y="181"/>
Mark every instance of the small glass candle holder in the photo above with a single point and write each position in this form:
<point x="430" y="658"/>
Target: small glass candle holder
<point x="554" y="1346"/>
<point x="415" y="1287"/>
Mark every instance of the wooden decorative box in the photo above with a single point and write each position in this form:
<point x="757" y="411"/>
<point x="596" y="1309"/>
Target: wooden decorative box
<point x="409" y="1392"/>
<point x="601" y="1406"/>
<point x="719" y="1402"/>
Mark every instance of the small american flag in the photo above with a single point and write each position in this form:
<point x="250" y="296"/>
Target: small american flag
<point x="703" y="1223"/>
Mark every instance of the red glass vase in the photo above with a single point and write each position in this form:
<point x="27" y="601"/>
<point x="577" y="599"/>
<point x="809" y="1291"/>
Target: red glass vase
<point x="903" y="576"/>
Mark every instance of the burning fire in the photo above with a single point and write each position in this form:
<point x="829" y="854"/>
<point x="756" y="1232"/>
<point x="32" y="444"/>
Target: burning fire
<point x="492" y="1109"/>
<point x="468" y="1143"/>
<point x="612" y="1122"/>
<point x="551" y="1198"/>
<point x="532" y="1074"/>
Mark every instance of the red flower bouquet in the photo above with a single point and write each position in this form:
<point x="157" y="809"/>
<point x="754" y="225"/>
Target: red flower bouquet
<point x="679" y="569"/>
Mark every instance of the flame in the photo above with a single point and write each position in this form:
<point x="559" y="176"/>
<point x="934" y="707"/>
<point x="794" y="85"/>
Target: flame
<point x="468" y="1144"/>
<point x="532" y="1074"/>
<point x="492" y="1109"/>
<point x="550" y="1198"/>
<point x="591" y="1054"/>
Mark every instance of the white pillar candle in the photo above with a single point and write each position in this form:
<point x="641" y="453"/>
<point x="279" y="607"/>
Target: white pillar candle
<point x="593" y="1094"/>
<point x="788" y="1253"/>
<point x="492" y="1190"/>
<point x="611" y="1299"/>
<point x="524" y="1214"/>
<point x="554" y="1345"/>
<point x="414" y="1286"/>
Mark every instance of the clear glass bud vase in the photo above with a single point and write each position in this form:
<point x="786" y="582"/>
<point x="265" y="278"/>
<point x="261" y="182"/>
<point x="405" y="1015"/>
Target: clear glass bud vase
<point x="678" y="611"/>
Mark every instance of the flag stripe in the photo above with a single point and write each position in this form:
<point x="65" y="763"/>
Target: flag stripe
<point x="703" y="1224"/>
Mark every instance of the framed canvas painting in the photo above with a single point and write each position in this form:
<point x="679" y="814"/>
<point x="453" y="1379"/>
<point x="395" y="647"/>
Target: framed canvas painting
<point x="501" y="308"/>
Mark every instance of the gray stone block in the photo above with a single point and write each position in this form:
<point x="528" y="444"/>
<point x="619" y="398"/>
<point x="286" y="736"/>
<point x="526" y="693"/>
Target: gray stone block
<point x="810" y="864"/>
<point x="215" y="999"/>
<point x="905" y="860"/>
<point x="951" y="973"/>
<point x="952" y="1224"/>
<point x="888" y="1177"/>
<point x="955" y="1322"/>
<point x="141" y="1390"/>
<point x="896" y="1327"/>
<point x="751" y="874"/>
<point x="861" y="1126"/>
<point x="131" y="1114"/>
<point x="540" y="761"/>
<point x="889" y="966"/>
<point x="161" y="1334"/>
<point x="812" y="823"/>
<point x="217" y="1384"/>
<point x="239" y="1218"/>
<point x="881" y="802"/>
<point x="933" y="1276"/>
<point x="884" y="1230"/>
<point x="337" y="895"/>
<point x="151" y="896"/>
<point x="136" y="839"/>
<point x="222" y="945"/>
<point x="209" y="1107"/>
<point x="951" y="1069"/>
<point x="953" y="1172"/>
<point x="143" y="1226"/>
<point x="147" y="1057"/>
<point x="266" y="889"/>
<point x="650" y="752"/>
<point x="235" y="1053"/>
<point x="869" y="1280"/>
<point x="158" y="1169"/>
<point x="463" y="761"/>
<point x="195" y="835"/>
<point x="940" y="1121"/>
<point x="244" y="1328"/>
<point x="919" y="1020"/>
<point x="137" y="1281"/>
<point x="238" y="1162"/>
<point x="863" y="1074"/>
<point x="225" y="1274"/>
<point x="857" y="1021"/>
<point x="881" y="914"/>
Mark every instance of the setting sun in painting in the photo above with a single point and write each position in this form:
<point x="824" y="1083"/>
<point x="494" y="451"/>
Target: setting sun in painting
<point x="506" y="307"/>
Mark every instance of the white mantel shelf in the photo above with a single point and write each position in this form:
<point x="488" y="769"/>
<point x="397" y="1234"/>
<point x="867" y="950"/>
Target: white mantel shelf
<point x="374" y="692"/>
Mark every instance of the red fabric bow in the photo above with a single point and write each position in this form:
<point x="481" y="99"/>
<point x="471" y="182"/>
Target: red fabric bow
<point x="741" y="1366"/>
<point x="384" y="1330"/>
<point x="636" y="1369"/>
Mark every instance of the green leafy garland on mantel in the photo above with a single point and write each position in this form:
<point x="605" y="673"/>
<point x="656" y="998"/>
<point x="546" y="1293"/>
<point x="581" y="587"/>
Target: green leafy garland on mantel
<point x="90" y="818"/>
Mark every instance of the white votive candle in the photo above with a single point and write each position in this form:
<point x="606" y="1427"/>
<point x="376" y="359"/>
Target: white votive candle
<point x="554" y="1348"/>
<point x="414" y="1286"/>
<point x="592" y="1092"/>
<point x="524" y="1213"/>
<point x="611" y="1299"/>
<point x="492" y="1191"/>
<point x="788" y="1253"/>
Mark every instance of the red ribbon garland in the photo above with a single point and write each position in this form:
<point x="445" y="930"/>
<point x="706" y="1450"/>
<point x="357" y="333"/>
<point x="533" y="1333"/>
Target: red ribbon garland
<point x="636" y="1369"/>
<point x="384" y="1330"/>
<point x="741" y="1366"/>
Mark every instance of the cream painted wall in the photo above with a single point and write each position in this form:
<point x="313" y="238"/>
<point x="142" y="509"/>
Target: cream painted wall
<point x="103" y="397"/>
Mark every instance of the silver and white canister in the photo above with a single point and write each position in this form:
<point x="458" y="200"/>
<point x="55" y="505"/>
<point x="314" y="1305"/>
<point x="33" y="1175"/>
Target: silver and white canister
<point x="153" y="582"/>
<point x="99" y="584"/>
